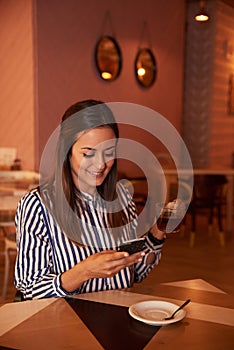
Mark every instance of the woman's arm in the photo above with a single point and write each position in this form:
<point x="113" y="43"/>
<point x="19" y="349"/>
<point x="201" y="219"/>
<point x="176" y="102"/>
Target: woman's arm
<point x="154" y="243"/>
<point x="104" y="264"/>
<point x="154" y="239"/>
<point x="36" y="274"/>
<point x="156" y="233"/>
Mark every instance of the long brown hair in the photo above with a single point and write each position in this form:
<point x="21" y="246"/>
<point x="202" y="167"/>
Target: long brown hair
<point x="81" y="116"/>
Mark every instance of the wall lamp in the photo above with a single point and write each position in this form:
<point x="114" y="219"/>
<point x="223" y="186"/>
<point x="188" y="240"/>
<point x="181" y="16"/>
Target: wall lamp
<point x="202" y="15"/>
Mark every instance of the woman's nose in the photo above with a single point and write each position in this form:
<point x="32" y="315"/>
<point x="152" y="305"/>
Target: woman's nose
<point x="99" y="161"/>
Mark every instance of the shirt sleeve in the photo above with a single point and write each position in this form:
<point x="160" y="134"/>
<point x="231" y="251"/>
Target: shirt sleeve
<point x="34" y="275"/>
<point x="153" y="245"/>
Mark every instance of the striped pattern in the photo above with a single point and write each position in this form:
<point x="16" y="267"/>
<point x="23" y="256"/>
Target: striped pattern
<point x="208" y="128"/>
<point x="45" y="252"/>
<point x="198" y="84"/>
<point x="222" y="126"/>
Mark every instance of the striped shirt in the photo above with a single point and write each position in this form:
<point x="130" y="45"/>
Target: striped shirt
<point x="45" y="252"/>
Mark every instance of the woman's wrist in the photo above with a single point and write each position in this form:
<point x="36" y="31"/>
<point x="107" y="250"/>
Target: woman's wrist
<point x="72" y="279"/>
<point x="159" y="239"/>
<point x="156" y="233"/>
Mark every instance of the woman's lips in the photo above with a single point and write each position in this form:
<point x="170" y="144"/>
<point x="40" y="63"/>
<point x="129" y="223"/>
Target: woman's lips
<point x="95" y="174"/>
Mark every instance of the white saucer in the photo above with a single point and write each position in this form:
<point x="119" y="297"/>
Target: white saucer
<point x="153" y="312"/>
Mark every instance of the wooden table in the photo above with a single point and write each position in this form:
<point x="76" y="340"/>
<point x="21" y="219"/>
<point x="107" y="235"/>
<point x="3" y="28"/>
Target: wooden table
<point x="101" y="321"/>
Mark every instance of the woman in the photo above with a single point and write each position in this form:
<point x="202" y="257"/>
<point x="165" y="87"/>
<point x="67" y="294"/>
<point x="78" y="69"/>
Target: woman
<point x="68" y="228"/>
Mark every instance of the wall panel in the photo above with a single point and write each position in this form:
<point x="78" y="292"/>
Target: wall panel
<point x="17" y="79"/>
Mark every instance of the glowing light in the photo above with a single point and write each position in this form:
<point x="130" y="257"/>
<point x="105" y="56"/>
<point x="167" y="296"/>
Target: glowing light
<point x="106" y="75"/>
<point x="141" y="72"/>
<point x="201" y="17"/>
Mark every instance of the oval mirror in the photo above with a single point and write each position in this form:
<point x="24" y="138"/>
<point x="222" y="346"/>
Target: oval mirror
<point x="145" y="67"/>
<point x="108" y="58"/>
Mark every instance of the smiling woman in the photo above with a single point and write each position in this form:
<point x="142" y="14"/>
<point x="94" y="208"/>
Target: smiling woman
<point x="92" y="158"/>
<point x="69" y="229"/>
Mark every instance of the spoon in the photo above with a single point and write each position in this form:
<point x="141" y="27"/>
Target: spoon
<point x="179" y="308"/>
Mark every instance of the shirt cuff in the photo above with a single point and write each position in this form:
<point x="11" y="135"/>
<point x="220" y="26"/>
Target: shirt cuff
<point x="155" y="240"/>
<point x="60" y="290"/>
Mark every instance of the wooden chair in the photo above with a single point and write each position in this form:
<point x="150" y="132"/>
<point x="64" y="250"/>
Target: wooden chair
<point x="209" y="196"/>
<point x="10" y="245"/>
<point x="165" y="160"/>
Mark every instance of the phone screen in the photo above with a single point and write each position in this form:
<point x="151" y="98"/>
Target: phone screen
<point x="133" y="246"/>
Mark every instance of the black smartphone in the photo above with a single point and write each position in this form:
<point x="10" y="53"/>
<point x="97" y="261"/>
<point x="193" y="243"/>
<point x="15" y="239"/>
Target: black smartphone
<point x="132" y="246"/>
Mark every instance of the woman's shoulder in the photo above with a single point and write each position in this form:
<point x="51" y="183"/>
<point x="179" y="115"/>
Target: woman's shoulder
<point x="30" y="200"/>
<point x="121" y="186"/>
<point x="124" y="190"/>
<point x="31" y="195"/>
<point x="32" y="205"/>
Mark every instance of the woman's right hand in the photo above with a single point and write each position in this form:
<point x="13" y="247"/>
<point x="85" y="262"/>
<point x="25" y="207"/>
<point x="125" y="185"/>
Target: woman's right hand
<point x="100" y="265"/>
<point x="109" y="262"/>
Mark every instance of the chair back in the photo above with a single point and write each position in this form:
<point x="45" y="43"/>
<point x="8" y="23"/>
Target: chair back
<point x="209" y="188"/>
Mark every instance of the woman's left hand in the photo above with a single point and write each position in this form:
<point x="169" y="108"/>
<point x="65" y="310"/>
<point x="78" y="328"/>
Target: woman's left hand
<point x="157" y="233"/>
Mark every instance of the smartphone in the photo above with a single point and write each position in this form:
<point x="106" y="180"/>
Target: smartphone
<point x="132" y="246"/>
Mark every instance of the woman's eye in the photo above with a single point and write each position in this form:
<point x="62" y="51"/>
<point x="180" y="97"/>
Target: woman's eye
<point x="88" y="155"/>
<point x="110" y="154"/>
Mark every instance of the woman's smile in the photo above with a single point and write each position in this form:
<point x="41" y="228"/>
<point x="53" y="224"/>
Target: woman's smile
<point x="95" y="173"/>
<point x="92" y="157"/>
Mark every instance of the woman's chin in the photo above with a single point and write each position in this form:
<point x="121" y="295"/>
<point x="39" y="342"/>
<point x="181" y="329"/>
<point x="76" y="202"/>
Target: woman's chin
<point x="99" y="182"/>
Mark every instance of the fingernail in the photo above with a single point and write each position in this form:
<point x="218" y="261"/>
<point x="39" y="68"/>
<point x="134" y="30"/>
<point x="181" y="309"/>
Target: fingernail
<point x="126" y="254"/>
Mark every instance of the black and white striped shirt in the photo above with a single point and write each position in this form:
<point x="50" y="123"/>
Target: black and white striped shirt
<point x="45" y="252"/>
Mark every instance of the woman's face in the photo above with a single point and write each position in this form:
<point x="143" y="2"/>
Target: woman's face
<point x="92" y="158"/>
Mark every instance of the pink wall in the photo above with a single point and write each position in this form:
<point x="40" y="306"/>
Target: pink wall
<point x="222" y="122"/>
<point x="67" y="34"/>
<point x="208" y="126"/>
<point x="17" y="79"/>
<point x="40" y="78"/>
